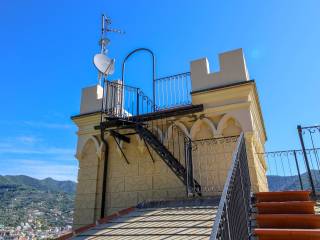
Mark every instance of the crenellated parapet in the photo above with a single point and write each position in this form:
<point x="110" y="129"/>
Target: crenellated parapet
<point x="232" y="70"/>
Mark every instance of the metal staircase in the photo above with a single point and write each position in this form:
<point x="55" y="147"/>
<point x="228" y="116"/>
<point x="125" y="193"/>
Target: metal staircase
<point x="184" y="173"/>
<point x="126" y="107"/>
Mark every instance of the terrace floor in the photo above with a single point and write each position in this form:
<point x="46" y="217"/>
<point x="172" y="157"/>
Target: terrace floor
<point x="160" y="220"/>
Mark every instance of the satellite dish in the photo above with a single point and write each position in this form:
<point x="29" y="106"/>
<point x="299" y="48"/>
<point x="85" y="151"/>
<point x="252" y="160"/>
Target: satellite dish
<point x="104" y="64"/>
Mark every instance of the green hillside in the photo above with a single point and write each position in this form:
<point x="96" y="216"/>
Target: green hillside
<point x="47" y="184"/>
<point x="38" y="204"/>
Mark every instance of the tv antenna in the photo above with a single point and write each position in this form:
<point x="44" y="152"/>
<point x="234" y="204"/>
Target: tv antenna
<point x="104" y="64"/>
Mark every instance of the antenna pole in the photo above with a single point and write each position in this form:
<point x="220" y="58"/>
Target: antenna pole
<point x="102" y="24"/>
<point x="104" y="41"/>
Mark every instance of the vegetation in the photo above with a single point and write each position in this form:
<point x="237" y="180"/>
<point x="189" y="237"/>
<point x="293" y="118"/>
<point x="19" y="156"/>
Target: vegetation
<point x="33" y="205"/>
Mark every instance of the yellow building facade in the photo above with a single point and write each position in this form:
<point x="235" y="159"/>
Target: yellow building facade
<point x="226" y="104"/>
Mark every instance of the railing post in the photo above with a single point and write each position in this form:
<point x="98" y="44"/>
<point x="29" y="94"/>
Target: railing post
<point x="306" y="159"/>
<point x="296" y="160"/>
<point x="186" y="153"/>
<point x="189" y="167"/>
<point x="137" y="101"/>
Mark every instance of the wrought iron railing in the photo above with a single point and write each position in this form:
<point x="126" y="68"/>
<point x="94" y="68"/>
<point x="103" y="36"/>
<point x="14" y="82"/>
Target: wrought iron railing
<point x="124" y="101"/>
<point x="233" y="216"/>
<point x="287" y="170"/>
<point x="310" y="143"/>
<point x="173" y="91"/>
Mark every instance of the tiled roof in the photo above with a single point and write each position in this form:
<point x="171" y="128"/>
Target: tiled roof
<point x="162" y="220"/>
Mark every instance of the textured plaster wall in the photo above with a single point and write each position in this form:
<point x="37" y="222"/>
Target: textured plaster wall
<point x="85" y="201"/>
<point x="140" y="180"/>
<point x="145" y="180"/>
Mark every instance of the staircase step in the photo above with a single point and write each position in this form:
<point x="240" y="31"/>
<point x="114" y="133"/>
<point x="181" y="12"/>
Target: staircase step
<point x="293" y="207"/>
<point x="283" y="196"/>
<point x="305" y="221"/>
<point x="287" y="234"/>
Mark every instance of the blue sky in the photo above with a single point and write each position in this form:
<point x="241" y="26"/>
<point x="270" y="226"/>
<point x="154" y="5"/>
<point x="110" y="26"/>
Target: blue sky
<point x="46" y="58"/>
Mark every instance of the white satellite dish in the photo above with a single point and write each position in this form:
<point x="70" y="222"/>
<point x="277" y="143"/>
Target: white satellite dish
<point x="104" y="64"/>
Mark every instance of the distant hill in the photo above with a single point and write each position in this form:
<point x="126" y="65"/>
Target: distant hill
<point x="281" y="183"/>
<point x="45" y="205"/>
<point x="47" y="184"/>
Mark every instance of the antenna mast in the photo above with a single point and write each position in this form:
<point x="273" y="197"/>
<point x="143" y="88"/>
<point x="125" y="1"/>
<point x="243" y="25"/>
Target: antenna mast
<point x="104" y="41"/>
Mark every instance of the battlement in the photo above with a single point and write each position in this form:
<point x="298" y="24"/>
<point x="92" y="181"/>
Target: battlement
<point x="232" y="70"/>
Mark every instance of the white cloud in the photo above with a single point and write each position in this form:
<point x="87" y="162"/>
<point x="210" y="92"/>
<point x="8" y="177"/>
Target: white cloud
<point x="38" y="161"/>
<point x="38" y="124"/>
<point x="37" y="150"/>
<point x="27" y="139"/>
<point x="40" y="169"/>
<point x="33" y="156"/>
<point x="50" y="125"/>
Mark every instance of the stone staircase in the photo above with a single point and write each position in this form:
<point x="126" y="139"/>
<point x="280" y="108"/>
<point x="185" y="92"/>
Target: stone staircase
<point x="286" y="216"/>
<point x="179" y="219"/>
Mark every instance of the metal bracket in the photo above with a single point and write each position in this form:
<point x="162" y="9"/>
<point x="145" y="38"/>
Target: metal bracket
<point x="124" y="156"/>
<point x="120" y="136"/>
<point x="148" y="150"/>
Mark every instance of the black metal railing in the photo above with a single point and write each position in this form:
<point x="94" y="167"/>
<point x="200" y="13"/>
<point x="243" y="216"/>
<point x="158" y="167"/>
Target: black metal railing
<point x="173" y="91"/>
<point x="124" y="101"/>
<point x="233" y="216"/>
<point x="287" y="170"/>
<point x="310" y="143"/>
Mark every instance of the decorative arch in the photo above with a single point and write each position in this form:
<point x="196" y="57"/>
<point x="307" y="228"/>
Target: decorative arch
<point x="97" y="145"/>
<point x="223" y="121"/>
<point x="141" y="143"/>
<point x="181" y="126"/>
<point x="196" y="127"/>
<point x="158" y="130"/>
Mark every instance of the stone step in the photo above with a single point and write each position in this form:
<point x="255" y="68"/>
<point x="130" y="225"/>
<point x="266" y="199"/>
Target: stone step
<point x="298" y="221"/>
<point x="282" y="196"/>
<point x="292" y="207"/>
<point x="287" y="234"/>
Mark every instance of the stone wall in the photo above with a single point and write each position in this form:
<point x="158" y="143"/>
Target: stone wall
<point x="86" y="196"/>
<point x="140" y="180"/>
<point x="144" y="179"/>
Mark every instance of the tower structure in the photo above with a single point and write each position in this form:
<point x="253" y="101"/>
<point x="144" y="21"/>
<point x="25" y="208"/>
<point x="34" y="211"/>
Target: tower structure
<point x="179" y="146"/>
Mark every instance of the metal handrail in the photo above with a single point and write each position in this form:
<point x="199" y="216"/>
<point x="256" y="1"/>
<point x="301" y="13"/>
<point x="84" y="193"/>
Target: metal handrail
<point x="172" y="91"/>
<point x="175" y="75"/>
<point x="227" y="224"/>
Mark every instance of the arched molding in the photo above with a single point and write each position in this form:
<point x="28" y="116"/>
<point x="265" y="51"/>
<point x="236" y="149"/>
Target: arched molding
<point x="83" y="144"/>
<point x="159" y="132"/>
<point x="180" y="125"/>
<point x="141" y="144"/>
<point x="196" y="127"/>
<point x="223" y="121"/>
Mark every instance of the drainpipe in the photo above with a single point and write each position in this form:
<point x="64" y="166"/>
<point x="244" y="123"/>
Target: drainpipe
<point x="105" y="172"/>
